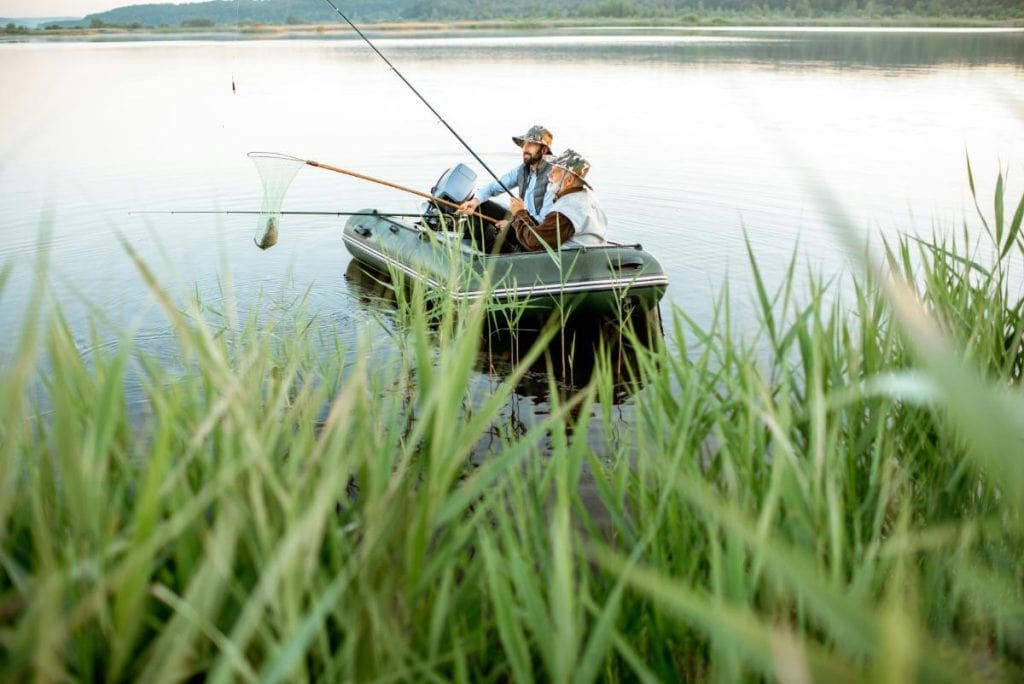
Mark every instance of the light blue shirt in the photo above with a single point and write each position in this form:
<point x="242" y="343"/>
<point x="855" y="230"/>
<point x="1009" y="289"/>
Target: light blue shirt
<point x="491" y="189"/>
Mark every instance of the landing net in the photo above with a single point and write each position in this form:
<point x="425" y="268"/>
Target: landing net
<point x="276" y="172"/>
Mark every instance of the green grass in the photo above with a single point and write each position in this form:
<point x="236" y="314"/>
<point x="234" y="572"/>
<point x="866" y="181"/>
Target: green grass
<point x="836" y="496"/>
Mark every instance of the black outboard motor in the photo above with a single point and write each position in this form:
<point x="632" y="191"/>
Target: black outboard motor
<point x="455" y="185"/>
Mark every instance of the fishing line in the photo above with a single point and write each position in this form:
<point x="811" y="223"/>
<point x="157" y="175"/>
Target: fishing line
<point x="277" y="171"/>
<point x="234" y="56"/>
<point x="422" y="99"/>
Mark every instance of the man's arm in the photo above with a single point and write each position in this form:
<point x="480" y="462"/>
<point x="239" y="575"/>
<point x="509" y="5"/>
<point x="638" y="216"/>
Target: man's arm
<point x="485" y="192"/>
<point x="555" y="230"/>
<point x="493" y="188"/>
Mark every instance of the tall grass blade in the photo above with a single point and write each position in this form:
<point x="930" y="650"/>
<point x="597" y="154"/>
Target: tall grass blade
<point x="1014" y="231"/>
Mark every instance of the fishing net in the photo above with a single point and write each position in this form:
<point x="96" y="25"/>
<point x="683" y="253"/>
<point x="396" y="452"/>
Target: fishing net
<point x="276" y="172"/>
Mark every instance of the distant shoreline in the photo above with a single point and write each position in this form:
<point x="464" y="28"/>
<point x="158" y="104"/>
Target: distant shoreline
<point x="266" y="31"/>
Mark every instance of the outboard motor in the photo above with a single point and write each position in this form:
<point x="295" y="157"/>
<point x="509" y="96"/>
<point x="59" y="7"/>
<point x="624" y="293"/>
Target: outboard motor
<point x="455" y="185"/>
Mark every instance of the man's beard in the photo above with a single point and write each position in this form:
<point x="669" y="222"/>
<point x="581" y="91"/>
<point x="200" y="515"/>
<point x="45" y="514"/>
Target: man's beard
<point x="531" y="159"/>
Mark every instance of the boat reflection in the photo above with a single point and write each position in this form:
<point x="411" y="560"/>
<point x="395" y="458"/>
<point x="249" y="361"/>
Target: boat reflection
<point x="371" y="288"/>
<point x="580" y="347"/>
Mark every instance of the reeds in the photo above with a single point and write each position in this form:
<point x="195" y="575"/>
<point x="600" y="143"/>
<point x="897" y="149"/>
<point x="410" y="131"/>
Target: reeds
<point x="836" y="497"/>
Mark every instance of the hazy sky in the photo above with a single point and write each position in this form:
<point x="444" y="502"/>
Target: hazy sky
<point x="62" y="8"/>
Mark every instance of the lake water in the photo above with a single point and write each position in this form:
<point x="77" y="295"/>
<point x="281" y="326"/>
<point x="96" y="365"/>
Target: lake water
<point x="698" y="140"/>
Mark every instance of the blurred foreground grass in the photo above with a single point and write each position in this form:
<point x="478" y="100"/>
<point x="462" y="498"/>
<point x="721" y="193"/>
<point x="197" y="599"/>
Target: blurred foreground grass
<point x="847" y="507"/>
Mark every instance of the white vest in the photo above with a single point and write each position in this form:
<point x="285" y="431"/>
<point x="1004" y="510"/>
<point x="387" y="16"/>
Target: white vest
<point x="587" y="218"/>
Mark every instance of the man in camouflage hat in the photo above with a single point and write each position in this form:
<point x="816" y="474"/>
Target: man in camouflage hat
<point x="575" y="219"/>
<point x="528" y="179"/>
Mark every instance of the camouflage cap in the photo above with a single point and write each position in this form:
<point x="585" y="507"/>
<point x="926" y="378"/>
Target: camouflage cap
<point x="571" y="161"/>
<point x="537" y="134"/>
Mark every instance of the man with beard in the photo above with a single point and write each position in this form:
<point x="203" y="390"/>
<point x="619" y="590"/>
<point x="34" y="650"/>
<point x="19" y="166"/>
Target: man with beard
<point x="575" y="218"/>
<point x="529" y="180"/>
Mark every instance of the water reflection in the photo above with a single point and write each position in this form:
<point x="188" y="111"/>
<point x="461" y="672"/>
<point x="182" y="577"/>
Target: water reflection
<point x="371" y="288"/>
<point x="584" y="351"/>
<point x="703" y="142"/>
<point x="580" y="348"/>
<point x="871" y="49"/>
<point x="574" y="356"/>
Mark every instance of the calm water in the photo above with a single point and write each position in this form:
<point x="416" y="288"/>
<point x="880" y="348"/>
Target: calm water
<point x="697" y="138"/>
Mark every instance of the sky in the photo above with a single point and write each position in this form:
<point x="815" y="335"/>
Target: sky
<point x="62" y="8"/>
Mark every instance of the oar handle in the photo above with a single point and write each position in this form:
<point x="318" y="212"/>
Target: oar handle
<point x="389" y="184"/>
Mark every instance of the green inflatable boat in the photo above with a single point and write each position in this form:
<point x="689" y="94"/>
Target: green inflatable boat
<point x="612" y="280"/>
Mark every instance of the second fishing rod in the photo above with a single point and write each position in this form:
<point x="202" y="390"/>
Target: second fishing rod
<point x="417" y="93"/>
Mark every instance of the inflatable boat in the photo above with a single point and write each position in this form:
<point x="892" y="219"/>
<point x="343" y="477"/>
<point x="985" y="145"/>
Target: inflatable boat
<point x="612" y="280"/>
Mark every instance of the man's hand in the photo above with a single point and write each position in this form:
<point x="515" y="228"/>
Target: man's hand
<point x="469" y="206"/>
<point x="516" y="205"/>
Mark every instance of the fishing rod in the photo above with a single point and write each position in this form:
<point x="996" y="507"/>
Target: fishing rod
<point x="282" y="213"/>
<point x="422" y="99"/>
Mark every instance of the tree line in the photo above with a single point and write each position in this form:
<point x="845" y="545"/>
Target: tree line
<point x="474" y="9"/>
<point x="227" y="13"/>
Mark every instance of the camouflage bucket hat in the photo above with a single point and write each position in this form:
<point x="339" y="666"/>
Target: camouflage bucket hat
<point x="537" y="134"/>
<point x="571" y="161"/>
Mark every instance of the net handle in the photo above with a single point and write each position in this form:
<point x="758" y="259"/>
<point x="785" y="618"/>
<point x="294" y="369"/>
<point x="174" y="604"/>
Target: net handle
<point x="361" y="176"/>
